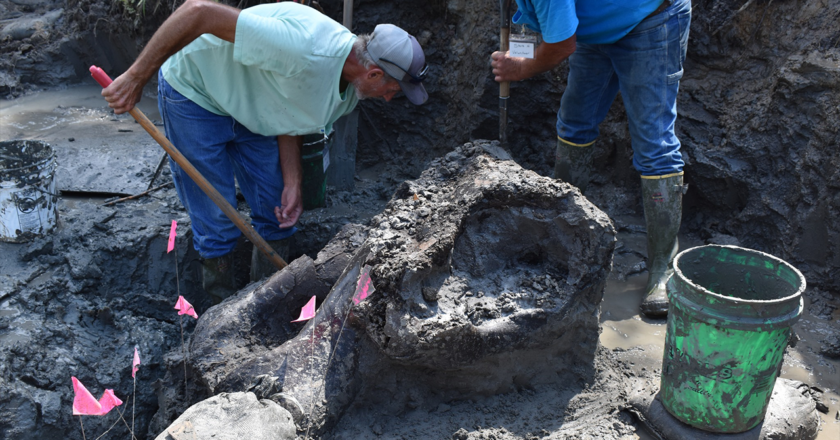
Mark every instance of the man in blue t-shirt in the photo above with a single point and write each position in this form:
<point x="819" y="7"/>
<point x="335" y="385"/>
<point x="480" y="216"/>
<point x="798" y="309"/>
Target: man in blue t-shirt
<point x="636" y="47"/>
<point x="237" y="90"/>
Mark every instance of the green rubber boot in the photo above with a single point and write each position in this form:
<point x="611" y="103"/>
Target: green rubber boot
<point x="261" y="266"/>
<point x="573" y="163"/>
<point x="218" y="277"/>
<point x="662" y="199"/>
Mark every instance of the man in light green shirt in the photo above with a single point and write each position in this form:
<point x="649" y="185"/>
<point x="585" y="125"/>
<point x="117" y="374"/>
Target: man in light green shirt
<point x="237" y="89"/>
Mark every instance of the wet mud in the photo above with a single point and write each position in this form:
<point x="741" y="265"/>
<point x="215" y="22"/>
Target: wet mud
<point x="758" y="110"/>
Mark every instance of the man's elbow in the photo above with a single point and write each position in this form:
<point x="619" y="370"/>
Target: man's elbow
<point x="201" y="9"/>
<point x="567" y="47"/>
<point x="555" y="53"/>
<point x="192" y="5"/>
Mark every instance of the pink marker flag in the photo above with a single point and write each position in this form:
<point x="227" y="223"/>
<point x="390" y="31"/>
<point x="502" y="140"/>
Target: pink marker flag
<point x="83" y="402"/>
<point x="85" y="405"/>
<point x="185" y="308"/>
<point x="171" y="244"/>
<point x="308" y="311"/>
<point x="364" y="287"/>
<point x="108" y="401"/>
<point x="135" y="362"/>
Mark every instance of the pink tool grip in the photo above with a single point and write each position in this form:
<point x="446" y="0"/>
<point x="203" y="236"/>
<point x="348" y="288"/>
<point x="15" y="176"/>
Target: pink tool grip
<point x="100" y="76"/>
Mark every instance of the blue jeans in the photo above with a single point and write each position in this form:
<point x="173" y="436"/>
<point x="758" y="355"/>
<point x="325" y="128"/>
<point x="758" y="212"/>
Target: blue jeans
<point x="221" y="148"/>
<point x="646" y="66"/>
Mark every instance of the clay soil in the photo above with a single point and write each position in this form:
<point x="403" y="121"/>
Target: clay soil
<point x="759" y="121"/>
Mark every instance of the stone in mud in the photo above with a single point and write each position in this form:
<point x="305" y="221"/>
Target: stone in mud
<point x="232" y="416"/>
<point x="831" y="346"/>
<point x="791" y="414"/>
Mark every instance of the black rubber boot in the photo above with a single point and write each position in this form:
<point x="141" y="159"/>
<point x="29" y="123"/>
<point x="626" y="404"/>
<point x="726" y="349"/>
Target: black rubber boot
<point x="573" y="164"/>
<point x="261" y="266"/>
<point x="218" y="277"/>
<point x="662" y="198"/>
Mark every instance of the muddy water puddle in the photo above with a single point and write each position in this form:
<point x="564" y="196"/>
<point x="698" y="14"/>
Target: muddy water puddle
<point x="623" y="329"/>
<point x="47" y="112"/>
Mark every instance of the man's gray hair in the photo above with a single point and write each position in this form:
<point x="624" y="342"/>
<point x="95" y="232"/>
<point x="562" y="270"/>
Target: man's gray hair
<point x="362" y="54"/>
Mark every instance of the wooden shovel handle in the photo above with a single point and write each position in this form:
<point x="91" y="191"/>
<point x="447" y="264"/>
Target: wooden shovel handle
<point x="504" y="46"/>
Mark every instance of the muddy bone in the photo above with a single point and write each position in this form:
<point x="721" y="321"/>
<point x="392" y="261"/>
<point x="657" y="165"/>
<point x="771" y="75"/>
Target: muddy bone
<point x="487" y="276"/>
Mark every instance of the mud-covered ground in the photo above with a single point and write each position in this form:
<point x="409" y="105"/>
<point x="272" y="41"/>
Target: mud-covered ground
<point x="759" y="111"/>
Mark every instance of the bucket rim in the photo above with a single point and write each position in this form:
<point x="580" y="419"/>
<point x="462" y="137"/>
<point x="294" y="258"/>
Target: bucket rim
<point x="44" y="145"/>
<point x="797" y="294"/>
<point x="42" y="162"/>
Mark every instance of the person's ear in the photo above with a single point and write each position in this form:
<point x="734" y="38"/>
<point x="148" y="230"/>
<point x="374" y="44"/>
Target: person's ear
<point x="375" y="73"/>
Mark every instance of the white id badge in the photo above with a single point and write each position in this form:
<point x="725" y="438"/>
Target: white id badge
<point x="522" y="45"/>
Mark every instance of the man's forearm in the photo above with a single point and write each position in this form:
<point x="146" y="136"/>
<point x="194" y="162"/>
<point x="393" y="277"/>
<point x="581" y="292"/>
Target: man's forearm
<point x="188" y="22"/>
<point x="290" y="160"/>
<point x="548" y="56"/>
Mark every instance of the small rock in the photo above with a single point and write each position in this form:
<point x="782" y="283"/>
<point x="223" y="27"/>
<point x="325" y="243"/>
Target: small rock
<point x="430" y="294"/>
<point x="37" y="248"/>
<point x="461" y="434"/>
<point x="831" y="346"/>
<point x="821" y="407"/>
<point x="377" y="429"/>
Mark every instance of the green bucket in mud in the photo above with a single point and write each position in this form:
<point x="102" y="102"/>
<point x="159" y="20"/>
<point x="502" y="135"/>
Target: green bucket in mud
<point x="314" y="160"/>
<point x="728" y="325"/>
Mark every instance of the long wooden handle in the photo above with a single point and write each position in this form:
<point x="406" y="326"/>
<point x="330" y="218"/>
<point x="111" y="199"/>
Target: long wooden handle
<point x="504" y="46"/>
<point x="504" y="40"/>
<point x="504" y="86"/>
<point x="104" y="80"/>
<point x="348" y="14"/>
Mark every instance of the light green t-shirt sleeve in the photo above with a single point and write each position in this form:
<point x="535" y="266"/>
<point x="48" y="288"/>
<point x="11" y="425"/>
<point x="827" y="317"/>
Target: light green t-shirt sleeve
<point x="279" y="44"/>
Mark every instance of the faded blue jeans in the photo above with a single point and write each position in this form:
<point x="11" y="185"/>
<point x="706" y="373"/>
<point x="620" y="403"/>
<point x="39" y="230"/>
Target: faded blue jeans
<point x="646" y="66"/>
<point x="221" y="148"/>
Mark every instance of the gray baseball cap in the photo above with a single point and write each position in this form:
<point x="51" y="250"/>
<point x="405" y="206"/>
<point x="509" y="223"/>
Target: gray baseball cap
<point x="400" y="55"/>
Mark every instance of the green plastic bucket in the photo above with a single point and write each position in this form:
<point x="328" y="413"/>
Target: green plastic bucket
<point x="728" y="325"/>
<point x="314" y="159"/>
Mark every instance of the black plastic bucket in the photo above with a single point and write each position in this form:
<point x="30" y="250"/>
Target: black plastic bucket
<point x="314" y="159"/>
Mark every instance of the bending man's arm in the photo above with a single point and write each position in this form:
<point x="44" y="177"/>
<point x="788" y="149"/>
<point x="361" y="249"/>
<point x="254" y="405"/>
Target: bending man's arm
<point x="291" y="199"/>
<point x="546" y="57"/>
<point x="188" y="22"/>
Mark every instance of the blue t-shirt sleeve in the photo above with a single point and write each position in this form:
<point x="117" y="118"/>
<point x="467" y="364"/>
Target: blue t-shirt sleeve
<point x="554" y="19"/>
<point x="271" y="43"/>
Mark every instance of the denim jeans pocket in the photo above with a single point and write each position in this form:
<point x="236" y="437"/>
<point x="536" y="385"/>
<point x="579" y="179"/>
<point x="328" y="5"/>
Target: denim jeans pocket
<point x="675" y="77"/>
<point x="677" y="44"/>
<point x="168" y="93"/>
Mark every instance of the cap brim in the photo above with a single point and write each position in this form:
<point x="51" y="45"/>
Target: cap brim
<point x="415" y="93"/>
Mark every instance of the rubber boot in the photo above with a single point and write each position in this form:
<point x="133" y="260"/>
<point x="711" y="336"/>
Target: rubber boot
<point x="662" y="199"/>
<point x="573" y="164"/>
<point x="218" y="277"/>
<point x="261" y="266"/>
